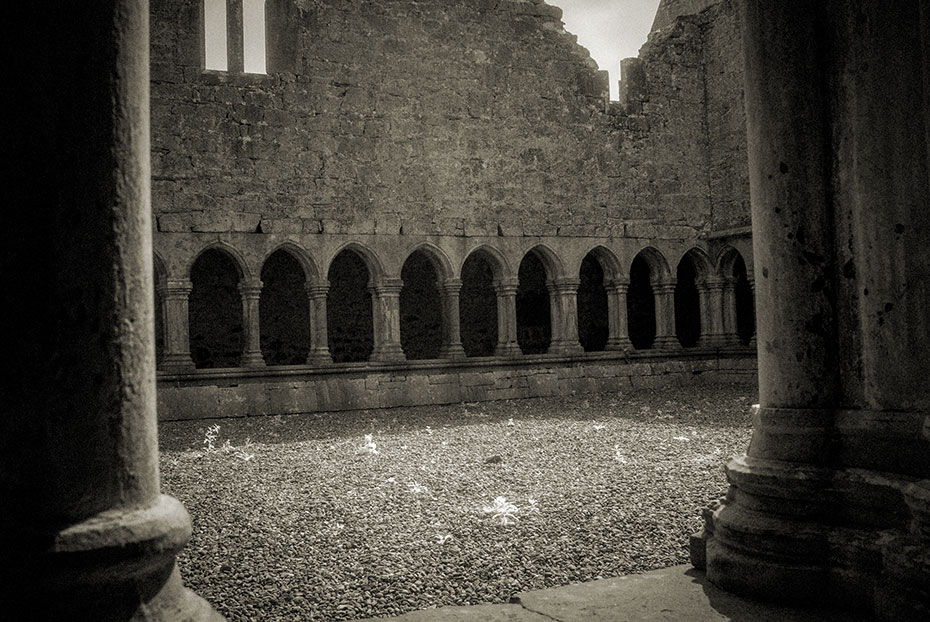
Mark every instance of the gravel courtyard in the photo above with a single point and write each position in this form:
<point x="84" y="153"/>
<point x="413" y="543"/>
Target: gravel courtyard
<point x="338" y="516"/>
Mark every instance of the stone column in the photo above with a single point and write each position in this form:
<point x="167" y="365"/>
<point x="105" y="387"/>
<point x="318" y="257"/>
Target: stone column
<point x="666" y="338"/>
<point x="618" y="324"/>
<point x="175" y="295"/>
<point x="319" y="333"/>
<point x="451" y="332"/>
<point x="507" y="318"/>
<point x="730" y="335"/>
<point x="712" y="312"/>
<point x="385" y="305"/>
<point x="85" y="532"/>
<point x="234" y="42"/>
<point x="752" y="288"/>
<point x="251" y="291"/>
<point x="829" y="506"/>
<point x="563" y="302"/>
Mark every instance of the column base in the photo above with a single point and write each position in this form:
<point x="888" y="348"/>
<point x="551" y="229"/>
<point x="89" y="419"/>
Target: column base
<point x="319" y="357"/>
<point x="509" y="349"/>
<point x="117" y="565"/>
<point x="566" y="348"/>
<point x="615" y="344"/>
<point x="452" y="351"/>
<point x="391" y="353"/>
<point x="252" y="358"/>
<point x="666" y="342"/>
<point x="713" y="341"/>
<point x="811" y="535"/>
<point x="177" y="363"/>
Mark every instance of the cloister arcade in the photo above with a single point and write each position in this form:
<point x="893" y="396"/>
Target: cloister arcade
<point x="216" y="309"/>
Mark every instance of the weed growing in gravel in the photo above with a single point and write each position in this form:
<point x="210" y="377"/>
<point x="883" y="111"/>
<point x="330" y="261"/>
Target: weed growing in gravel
<point x="502" y="511"/>
<point x="370" y="445"/>
<point x="618" y="455"/>
<point x="210" y="436"/>
<point x="417" y="488"/>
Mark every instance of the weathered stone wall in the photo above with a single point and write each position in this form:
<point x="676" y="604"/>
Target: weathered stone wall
<point x="448" y="117"/>
<point x="270" y="392"/>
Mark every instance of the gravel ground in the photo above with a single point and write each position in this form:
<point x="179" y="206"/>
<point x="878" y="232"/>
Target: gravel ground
<point x="311" y="519"/>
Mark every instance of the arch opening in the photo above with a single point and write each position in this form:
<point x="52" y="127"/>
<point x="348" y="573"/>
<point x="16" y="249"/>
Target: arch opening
<point x="284" y="311"/>
<point x="593" y="327"/>
<point x="745" y="304"/>
<point x="641" y="305"/>
<point x="215" y="311"/>
<point x="687" y="303"/>
<point x="420" y="308"/>
<point x="534" y="319"/>
<point x="478" y="306"/>
<point x="349" y="309"/>
<point x="159" y="282"/>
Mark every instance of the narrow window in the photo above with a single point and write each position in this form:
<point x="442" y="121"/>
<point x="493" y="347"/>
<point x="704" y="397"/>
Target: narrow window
<point x="214" y="35"/>
<point x="253" y="36"/>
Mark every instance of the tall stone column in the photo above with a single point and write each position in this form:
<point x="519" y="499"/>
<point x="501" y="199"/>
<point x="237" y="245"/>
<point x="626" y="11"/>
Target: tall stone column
<point x="451" y="332"/>
<point x="319" y="333"/>
<point x="666" y="338"/>
<point x="507" y="318"/>
<point x="830" y="503"/>
<point x="618" y="337"/>
<point x="251" y="292"/>
<point x="712" y="311"/>
<point x="234" y="36"/>
<point x="563" y="301"/>
<point x="752" y="288"/>
<point x="386" y="320"/>
<point x="85" y="532"/>
<point x="175" y="295"/>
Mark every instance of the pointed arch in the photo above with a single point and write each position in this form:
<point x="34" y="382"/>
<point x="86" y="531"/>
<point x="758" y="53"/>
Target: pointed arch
<point x="551" y="261"/>
<point x="703" y="266"/>
<point x="496" y="260"/>
<point x="215" y="307"/>
<point x="303" y="257"/>
<point x="284" y="308"/>
<point x="241" y="265"/>
<point x="372" y="262"/>
<point x="659" y="271"/>
<point x="441" y="262"/>
<point x="599" y="267"/>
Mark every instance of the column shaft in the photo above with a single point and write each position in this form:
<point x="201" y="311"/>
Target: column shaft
<point x="563" y="302"/>
<point x="251" y="324"/>
<point x="451" y="328"/>
<point x="665" y="317"/>
<point x="386" y="321"/>
<point x="319" y="333"/>
<point x="174" y="298"/>
<point x="507" y="318"/>
<point x="618" y="324"/>
<point x="85" y="532"/>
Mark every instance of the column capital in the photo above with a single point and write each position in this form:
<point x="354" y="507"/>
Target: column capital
<point x="250" y="288"/>
<point x="713" y="282"/>
<point x="506" y="286"/>
<point x="668" y="287"/>
<point x="175" y="288"/>
<point x="563" y="285"/>
<point x="386" y="287"/>
<point x="451" y="286"/>
<point x="617" y="286"/>
<point x="316" y="290"/>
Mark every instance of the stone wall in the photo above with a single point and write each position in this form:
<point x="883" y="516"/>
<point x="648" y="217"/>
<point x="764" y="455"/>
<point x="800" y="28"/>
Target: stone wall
<point x="273" y="392"/>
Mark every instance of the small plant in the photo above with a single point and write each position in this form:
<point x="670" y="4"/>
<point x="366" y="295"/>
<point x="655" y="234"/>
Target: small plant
<point x="370" y="446"/>
<point x="416" y="488"/>
<point x="510" y="421"/>
<point x="531" y="507"/>
<point x="502" y="511"/>
<point x="618" y="455"/>
<point x="210" y="436"/>
<point x="442" y="539"/>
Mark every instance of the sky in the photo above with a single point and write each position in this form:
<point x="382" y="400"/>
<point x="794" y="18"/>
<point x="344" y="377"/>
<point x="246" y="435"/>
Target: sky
<point x="610" y="29"/>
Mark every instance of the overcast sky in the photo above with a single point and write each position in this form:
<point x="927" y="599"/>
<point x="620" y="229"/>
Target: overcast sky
<point x="610" y="29"/>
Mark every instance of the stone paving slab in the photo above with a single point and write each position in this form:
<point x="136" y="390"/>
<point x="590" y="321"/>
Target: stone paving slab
<point x="676" y="594"/>
<point x="474" y="613"/>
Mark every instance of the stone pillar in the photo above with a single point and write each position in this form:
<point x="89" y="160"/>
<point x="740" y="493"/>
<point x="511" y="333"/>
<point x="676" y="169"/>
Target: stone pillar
<point x="85" y="532"/>
<point x="829" y="507"/>
<point x="175" y="295"/>
<point x="730" y="334"/>
<point x="507" y="318"/>
<point x="617" y="322"/>
<point x="451" y="333"/>
<point x="319" y="333"/>
<point x="234" y="42"/>
<point x="251" y="291"/>
<point x="712" y="312"/>
<point x="385" y="305"/>
<point x="752" y="288"/>
<point x="666" y="338"/>
<point x="563" y="302"/>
